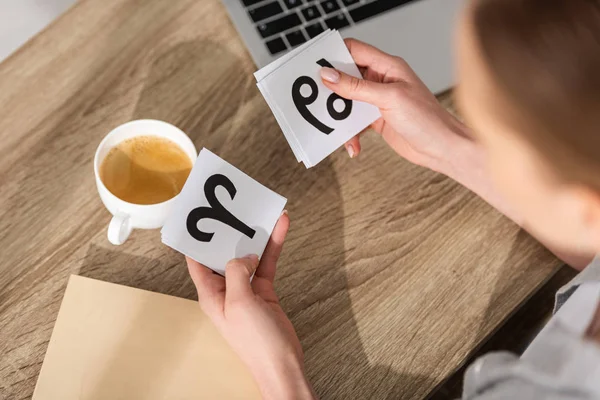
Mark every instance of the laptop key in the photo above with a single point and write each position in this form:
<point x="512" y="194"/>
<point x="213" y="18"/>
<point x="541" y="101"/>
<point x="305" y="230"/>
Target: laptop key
<point x="266" y="11"/>
<point x="338" y="22"/>
<point x="330" y="6"/>
<point x="279" y="25"/>
<point x="311" y="13"/>
<point x="314" y="29"/>
<point x="377" y="7"/>
<point x="292" y="3"/>
<point x="350" y="2"/>
<point x="295" y="38"/>
<point x="249" y="3"/>
<point x="276" y="45"/>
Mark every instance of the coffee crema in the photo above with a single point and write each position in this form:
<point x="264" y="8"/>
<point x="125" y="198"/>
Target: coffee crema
<point x="145" y="170"/>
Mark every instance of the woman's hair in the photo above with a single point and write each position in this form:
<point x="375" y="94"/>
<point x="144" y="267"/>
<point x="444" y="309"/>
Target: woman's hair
<point x="544" y="56"/>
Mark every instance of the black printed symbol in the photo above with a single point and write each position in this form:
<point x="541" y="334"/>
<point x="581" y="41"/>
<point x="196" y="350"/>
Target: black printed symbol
<point x="338" y="116"/>
<point x="302" y="102"/>
<point x="216" y="211"/>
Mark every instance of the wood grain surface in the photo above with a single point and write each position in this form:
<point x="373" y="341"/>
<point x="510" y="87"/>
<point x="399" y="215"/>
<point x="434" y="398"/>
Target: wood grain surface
<point x="392" y="274"/>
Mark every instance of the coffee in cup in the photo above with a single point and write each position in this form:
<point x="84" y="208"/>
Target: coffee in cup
<point x="145" y="169"/>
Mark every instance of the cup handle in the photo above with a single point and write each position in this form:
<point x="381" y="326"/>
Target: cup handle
<point x="119" y="229"/>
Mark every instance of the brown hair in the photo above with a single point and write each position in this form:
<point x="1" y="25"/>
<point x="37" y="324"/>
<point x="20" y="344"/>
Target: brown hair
<point x="544" y="56"/>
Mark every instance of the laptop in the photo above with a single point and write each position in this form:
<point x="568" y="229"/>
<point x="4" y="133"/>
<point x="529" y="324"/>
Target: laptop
<point x="420" y="31"/>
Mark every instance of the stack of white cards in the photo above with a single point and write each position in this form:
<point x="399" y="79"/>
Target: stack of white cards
<point x="220" y="214"/>
<point x="314" y="120"/>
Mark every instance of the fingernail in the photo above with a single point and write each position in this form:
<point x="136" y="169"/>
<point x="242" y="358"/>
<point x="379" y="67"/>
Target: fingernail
<point x="252" y="257"/>
<point x="284" y="212"/>
<point x="330" y="75"/>
<point x="351" y="151"/>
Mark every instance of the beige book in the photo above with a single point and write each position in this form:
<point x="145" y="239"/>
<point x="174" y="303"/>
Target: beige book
<point x="119" y="343"/>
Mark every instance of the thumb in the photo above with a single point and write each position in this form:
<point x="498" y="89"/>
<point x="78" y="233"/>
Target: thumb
<point x="352" y="88"/>
<point x="237" y="277"/>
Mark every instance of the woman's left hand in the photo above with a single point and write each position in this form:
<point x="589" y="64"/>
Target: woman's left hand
<point x="249" y="317"/>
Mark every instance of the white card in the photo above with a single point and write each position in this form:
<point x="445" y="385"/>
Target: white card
<point x="291" y="139"/>
<point x="320" y="121"/>
<point x="264" y="72"/>
<point x="221" y="214"/>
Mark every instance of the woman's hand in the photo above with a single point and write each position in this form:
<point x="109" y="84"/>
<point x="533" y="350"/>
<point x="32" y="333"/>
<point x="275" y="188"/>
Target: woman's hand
<point x="413" y="122"/>
<point x="418" y="128"/>
<point x="249" y="317"/>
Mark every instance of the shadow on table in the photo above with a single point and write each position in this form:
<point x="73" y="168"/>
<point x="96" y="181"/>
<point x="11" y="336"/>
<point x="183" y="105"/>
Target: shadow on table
<point x="311" y="279"/>
<point x="521" y="327"/>
<point x="519" y="268"/>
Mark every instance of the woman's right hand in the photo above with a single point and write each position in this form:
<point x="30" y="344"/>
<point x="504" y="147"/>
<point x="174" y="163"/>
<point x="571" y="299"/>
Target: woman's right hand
<point x="413" y="122"/>
<point x="248" y="315"/>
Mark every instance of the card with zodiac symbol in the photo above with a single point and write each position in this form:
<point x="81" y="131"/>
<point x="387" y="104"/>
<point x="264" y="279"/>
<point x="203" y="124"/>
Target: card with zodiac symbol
<point x="314" y="120"/>
<point x="221" y="214"/>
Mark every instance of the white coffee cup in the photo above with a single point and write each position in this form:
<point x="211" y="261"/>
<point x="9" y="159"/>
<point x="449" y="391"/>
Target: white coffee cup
<point x="128" y="216"/>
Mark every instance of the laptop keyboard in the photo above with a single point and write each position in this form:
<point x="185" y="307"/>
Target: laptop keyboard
<point x="284" y="24"/>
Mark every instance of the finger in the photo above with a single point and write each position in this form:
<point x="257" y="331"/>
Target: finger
<point x="208" y="285"/>
<point x="237" y="277"/>
<point x="353" y="146"/>
<point x="363" y="71"/>
<point x="367" y="56"/>
<point x="268" y="263"/>
<point x="201" y="276"/>
<point x="350" y="87"/>
<point x="378" y="125"/>
<point x="374" y="62"/>
<point x="379" y="65"/>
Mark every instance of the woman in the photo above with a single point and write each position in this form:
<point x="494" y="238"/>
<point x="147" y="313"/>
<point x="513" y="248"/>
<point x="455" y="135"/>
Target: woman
<point x="530" y="91"/>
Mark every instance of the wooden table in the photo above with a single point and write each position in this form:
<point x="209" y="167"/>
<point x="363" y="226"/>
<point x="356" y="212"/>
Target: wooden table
<point x="392" y="274"/>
